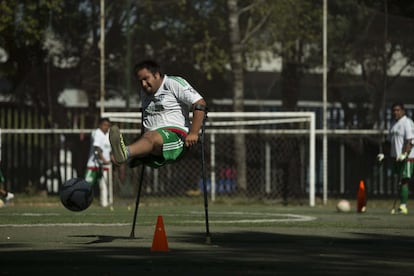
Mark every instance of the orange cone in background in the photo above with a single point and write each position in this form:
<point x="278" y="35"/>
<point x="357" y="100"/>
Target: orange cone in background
<point x="159" y="242"/>
<point x="361" y="198"/>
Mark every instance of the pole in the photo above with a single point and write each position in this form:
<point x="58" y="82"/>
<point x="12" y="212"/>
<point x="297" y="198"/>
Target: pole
<point x="102" y="52"/>
<point x="325" y="138"/>
<point x="268" y="168"/>
<point x="312" y="155"/>
<point x="128" y="56"/>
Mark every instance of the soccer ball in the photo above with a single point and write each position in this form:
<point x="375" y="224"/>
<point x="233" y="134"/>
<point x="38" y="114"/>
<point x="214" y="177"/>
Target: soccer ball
<point x="76" y="194"/>
<point x="343" y="206"/>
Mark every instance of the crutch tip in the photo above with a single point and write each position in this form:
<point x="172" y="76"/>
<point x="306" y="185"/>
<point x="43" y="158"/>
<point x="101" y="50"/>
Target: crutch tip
<point x="132" y="236"/>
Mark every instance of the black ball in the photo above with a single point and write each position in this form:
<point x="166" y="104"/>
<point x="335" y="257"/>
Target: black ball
<point x="76" y="194"/>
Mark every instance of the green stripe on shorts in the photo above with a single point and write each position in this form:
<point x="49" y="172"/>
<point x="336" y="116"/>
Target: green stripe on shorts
<point x="173" y="144"/>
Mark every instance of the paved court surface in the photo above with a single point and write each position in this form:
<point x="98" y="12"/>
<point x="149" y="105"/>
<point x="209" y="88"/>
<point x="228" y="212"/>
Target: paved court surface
<point x="326" y="243"/>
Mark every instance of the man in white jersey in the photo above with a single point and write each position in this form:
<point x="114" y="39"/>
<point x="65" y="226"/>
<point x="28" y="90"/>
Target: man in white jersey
<point x="4" y="194"/>
<point x="401" y="136"/>
<point x="99" y="163"/>
<point x="166" y="103"/>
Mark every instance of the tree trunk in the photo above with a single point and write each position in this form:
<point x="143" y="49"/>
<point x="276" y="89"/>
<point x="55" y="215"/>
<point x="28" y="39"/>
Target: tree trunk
<point x="291" y="76"/>
<point x="238" y="90"/>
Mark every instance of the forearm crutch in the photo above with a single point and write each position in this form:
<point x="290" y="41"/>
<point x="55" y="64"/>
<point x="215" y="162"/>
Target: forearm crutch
<point x="203" y="171"/>
<point x="141" y="178"/>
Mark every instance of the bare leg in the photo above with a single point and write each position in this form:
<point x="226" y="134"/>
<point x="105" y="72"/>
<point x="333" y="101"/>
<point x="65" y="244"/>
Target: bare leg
<point x="150" y="143"/>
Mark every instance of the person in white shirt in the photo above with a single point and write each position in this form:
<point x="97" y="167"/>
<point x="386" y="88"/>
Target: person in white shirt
<point x="98" y="168"/>
<point x="167" y="130"/>
<point x="4" y="194"/>
<point x="401" y="136"/>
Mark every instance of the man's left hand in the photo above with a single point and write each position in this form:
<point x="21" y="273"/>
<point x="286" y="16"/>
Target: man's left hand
<point x="402" y="157"/>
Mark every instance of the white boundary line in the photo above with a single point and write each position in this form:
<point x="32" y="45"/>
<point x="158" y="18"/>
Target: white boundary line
<point x="271" y="217"/>
<point x="276" y="218"/>
<point x="64" y="224"/>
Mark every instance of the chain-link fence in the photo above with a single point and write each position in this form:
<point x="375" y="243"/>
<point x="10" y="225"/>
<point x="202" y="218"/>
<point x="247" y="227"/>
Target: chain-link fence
<point x="50" y="156"/>
<point x="276" y="161"/>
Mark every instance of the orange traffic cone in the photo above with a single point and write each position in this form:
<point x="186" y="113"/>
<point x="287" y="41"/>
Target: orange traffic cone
<point x="361" y="198"/>
<point x="159" y="243"/>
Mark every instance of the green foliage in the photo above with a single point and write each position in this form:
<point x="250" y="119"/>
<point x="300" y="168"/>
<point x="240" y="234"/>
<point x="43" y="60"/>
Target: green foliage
<point x="189" y="37"/>
<point x="182" y="34"/>
<point x="366" y="35"/>
<point x="26" y="20"/>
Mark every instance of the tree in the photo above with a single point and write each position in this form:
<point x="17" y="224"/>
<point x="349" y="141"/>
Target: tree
<point x="238" y="49"/>
<point x="368" y="36"/>
<point x="22" y="28"/>
<point x="293" y="33"/>
<point x="53" y="45"/>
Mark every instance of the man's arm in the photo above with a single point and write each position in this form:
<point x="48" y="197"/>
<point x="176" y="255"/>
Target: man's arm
<point x="407" y="147"/>
<point x="199" y="108"/>
<point x="99" y="156"/>
<point x="408" y="140"/>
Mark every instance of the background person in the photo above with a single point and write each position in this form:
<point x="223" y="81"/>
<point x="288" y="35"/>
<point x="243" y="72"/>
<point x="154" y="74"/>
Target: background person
<point x="401" y="136"/>
<point x="98" y="168"/>
<point x="166" y="103"/>
<point x="4" y="194"/>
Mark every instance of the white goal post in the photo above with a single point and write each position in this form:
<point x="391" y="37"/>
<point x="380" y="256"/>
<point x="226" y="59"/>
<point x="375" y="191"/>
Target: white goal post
<point x="235" y="123"/>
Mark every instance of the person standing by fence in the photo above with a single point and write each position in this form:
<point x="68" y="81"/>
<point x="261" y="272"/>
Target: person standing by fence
<point x="401" y="136"/>
<point x="4" y="194"/>
<point x="99" y="168"/>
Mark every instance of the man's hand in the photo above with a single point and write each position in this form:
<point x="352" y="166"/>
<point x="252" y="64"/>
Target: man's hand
<point x="402" y="157"/>
<point x="380" y="157"/>
<point x="191" y="140"/>
<point x="106" y="162"/>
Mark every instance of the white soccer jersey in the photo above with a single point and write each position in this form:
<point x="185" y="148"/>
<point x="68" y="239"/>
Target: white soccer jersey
<point x="400" y="131"/>
<point x="101" y="140"/>
<point x="170" y="105"/>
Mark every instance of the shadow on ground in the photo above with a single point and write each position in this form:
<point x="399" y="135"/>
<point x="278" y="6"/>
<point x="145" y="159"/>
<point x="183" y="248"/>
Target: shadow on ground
<point x="231" y="253"/>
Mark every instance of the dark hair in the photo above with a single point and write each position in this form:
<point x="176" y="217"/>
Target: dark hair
<point x="104" y="119"/>
<point x="401" y="105"/>
<point x="148" y="64"/>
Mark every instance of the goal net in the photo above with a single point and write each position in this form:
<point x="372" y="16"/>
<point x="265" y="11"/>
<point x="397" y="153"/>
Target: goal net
<point x="250" y="156"/>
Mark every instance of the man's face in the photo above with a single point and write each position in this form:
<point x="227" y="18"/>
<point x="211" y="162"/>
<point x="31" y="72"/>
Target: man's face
<point x="149" y="82"/>
<point x="105" y="126"/>
<point x="397" y="112"/>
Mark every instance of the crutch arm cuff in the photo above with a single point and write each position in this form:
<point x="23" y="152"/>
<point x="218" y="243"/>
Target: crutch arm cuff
<point x="200" y="107"/>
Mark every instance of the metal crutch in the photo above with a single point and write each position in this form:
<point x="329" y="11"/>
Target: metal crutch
<point x="203" y="169"/>
<point x="132" y="235"/>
